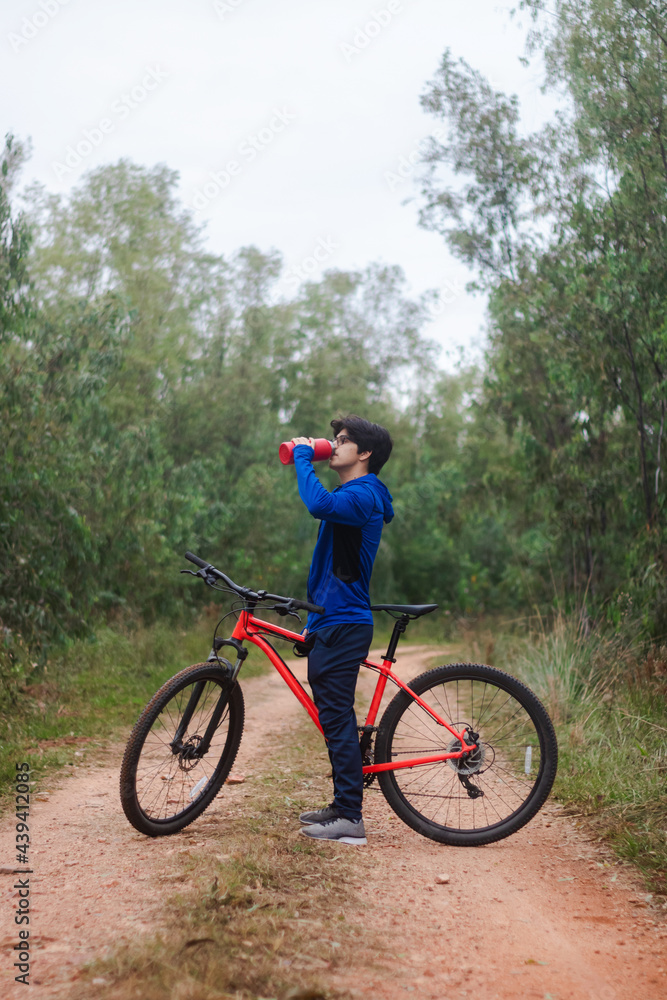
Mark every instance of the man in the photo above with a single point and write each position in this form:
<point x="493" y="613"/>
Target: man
<point x="351" y="517"/>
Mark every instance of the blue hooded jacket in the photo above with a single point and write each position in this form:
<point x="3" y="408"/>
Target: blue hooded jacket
<point x="352" y="517"/>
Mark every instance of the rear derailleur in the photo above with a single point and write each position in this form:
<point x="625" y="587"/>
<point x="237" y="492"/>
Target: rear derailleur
<point x="473" y="791"/>
<point x="470" y="765"/>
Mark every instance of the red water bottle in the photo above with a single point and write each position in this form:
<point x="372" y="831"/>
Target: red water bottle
<point x="323" y="450"/>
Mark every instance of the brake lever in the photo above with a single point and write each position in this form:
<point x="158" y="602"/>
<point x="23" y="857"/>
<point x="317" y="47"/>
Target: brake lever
<point x="286" y="612"/>
<point x="208" y="578"/>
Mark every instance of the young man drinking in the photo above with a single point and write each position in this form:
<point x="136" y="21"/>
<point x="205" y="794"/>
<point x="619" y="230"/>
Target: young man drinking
<point x="351" y="519"/>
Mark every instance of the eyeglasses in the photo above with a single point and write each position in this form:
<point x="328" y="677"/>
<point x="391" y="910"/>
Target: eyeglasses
<point x="341" y="439"/>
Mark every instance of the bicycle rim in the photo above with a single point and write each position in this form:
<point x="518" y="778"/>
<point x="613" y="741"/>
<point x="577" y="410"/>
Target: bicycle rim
<point x="489" y="794"/>
<point x="164" y="784"/>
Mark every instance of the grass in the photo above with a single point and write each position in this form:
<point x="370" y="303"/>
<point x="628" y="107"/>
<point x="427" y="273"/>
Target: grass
<point x="607" y="702"/>
<point x="91" y="691"/>
<point x="260" y="912"/>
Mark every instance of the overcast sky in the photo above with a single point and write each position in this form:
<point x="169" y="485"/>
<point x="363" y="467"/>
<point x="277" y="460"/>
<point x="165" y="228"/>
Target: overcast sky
<point x="286" y="121"/>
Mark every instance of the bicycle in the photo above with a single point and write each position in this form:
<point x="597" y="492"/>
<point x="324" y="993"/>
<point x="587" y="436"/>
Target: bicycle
<point x="465" y="754"/>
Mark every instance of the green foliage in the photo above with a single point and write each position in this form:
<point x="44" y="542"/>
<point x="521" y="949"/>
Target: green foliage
<point x="566" y="228"/>
<point x="90" y="687"/>
<point x="606" y="697"/>
<point x="144" y="388"/>
<point x="146" y="383"/>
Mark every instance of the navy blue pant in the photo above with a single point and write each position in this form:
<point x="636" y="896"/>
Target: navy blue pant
<point x="333" y="667"/>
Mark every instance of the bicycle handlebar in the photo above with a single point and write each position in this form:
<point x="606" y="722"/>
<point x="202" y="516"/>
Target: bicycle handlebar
<point x="251" y="595"/>
<point x="196" y="560"/>
<point x="305" y="606"/>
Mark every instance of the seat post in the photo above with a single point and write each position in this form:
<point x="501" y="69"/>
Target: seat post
<point x="399" y="628"/>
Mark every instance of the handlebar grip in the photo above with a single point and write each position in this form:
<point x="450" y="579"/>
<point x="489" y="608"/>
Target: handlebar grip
<point x="196" y="560"/>
<point x="315" y="608"/>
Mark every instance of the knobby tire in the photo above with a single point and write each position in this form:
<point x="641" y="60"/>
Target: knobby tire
<point x="162" y="792"/>
<point x="514" y="768"/>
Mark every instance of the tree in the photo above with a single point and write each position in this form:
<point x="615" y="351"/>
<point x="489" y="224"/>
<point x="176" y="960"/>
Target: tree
<point x="151" y="385"/>
<point x="567" y="233"/>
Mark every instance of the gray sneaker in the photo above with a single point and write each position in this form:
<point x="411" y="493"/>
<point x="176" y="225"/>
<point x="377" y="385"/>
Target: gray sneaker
<point x="319" y="815"/>
<point x="343" y="831"/>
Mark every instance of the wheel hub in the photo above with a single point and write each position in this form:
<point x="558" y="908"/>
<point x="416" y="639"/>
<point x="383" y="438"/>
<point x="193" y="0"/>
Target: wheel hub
<point x="188" y="756"/>
<point x="474" y="761"/>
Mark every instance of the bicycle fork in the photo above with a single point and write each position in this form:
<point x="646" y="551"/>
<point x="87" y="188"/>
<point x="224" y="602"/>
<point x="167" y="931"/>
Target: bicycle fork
<point x="195" y="751"/>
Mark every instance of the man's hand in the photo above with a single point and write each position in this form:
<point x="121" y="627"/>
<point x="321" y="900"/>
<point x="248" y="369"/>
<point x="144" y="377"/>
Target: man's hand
<point x="303" y="440"/>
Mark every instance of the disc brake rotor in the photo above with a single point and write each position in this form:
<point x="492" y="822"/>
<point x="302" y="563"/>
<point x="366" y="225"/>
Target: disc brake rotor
<point x="473" y="763"/>
<point x="187" y="757"/>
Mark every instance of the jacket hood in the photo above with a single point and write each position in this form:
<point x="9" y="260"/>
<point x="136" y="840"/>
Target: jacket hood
<point x="380" y="491"/>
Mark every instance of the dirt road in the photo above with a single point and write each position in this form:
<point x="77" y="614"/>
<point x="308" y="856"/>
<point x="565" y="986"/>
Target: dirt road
<point x="544" y="914"/>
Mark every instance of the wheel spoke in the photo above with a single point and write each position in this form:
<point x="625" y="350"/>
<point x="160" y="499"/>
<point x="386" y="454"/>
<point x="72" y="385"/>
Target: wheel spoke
<point x="157" y="784"/>
<point x="500" y="791"/>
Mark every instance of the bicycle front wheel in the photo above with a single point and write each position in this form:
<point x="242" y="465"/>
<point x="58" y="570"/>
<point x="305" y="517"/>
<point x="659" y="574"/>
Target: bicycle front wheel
<point x="488" y="794"/>
<point x="165" y="780"/>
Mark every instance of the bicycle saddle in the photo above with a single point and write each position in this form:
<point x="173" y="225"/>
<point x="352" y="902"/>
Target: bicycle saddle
<point x="413" y="610"/>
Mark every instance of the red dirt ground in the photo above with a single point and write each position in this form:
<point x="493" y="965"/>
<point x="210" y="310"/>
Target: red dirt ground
<point x="546" y="913"/>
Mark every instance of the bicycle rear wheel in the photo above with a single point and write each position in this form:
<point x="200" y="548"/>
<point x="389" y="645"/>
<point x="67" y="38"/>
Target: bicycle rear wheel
<point x="492" y="792"/>
<point x="164" y="784"/>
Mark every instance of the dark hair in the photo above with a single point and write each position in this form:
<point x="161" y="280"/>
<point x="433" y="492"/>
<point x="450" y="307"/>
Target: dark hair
<point x="367" y="437"/>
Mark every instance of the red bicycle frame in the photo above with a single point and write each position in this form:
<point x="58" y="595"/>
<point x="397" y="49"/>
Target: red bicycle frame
<point x="251" y="629"/>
